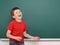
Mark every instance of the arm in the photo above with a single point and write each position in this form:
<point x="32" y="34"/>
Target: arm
<point x="28" y="36"/>
<point x="8" y="34"/>
<point x="31" y="37"/>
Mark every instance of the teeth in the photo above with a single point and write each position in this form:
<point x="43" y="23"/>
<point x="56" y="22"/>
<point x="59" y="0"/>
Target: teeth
<point x="19" y="15"/>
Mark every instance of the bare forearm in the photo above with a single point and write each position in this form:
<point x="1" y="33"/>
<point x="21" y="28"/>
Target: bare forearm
<point x="10" y="36"/>
<point x="28" y="36"/>
<point x="32" y="37"/>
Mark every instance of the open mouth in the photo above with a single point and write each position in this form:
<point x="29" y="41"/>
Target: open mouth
<point x="19" y="15"/>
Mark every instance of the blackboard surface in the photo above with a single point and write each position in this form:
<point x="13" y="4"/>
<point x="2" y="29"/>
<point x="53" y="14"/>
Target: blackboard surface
<point x="42" y="16"/>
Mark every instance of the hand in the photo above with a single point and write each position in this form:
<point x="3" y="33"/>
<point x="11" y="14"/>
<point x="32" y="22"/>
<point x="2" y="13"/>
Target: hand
<point x="18" y="38"/>
<point x="36" y="38"/>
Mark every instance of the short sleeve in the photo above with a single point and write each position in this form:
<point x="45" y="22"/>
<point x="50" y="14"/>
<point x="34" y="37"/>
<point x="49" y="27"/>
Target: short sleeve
<point x="10" y="26"/>
<point x="25" y="27"/>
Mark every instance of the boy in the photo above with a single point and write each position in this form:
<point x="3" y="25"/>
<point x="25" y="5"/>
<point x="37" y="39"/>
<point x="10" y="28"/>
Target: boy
<point x="16" y="30"/>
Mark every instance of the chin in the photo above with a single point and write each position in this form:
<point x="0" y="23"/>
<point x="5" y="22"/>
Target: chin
<point x="20" y="18"/>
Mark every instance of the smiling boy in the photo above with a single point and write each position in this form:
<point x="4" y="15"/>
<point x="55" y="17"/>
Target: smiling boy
<point x="17" y="29"/>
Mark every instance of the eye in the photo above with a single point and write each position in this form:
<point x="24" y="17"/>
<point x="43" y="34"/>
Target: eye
<point x="17" y="12"/>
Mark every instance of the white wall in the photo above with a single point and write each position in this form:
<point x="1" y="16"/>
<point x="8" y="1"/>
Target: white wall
<point x="43" y="43"/>
<point x="4" y="42"/>
<point x="32" y="42"/>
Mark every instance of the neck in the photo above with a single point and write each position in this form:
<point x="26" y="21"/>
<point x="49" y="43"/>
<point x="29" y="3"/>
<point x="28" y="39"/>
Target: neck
<point x="19" y="20"/>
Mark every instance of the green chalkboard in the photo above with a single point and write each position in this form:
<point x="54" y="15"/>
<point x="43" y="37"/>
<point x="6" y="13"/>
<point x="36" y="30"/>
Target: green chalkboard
<point x="42" y="16"/>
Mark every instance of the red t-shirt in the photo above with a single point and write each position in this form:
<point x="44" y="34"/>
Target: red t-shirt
<point x="17" y="29"/>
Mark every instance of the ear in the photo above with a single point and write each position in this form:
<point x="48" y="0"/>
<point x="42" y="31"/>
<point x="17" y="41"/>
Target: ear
<point x="13" y="16"/>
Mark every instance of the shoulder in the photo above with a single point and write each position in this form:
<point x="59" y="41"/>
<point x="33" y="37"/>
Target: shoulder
<point x="12" y="22"/>
<point x="24" y="22"/>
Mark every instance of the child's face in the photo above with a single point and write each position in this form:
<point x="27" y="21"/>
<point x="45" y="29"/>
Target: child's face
<point x="17" y="14"/>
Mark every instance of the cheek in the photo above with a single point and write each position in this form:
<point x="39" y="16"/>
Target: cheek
<point x="15" y="14"/>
